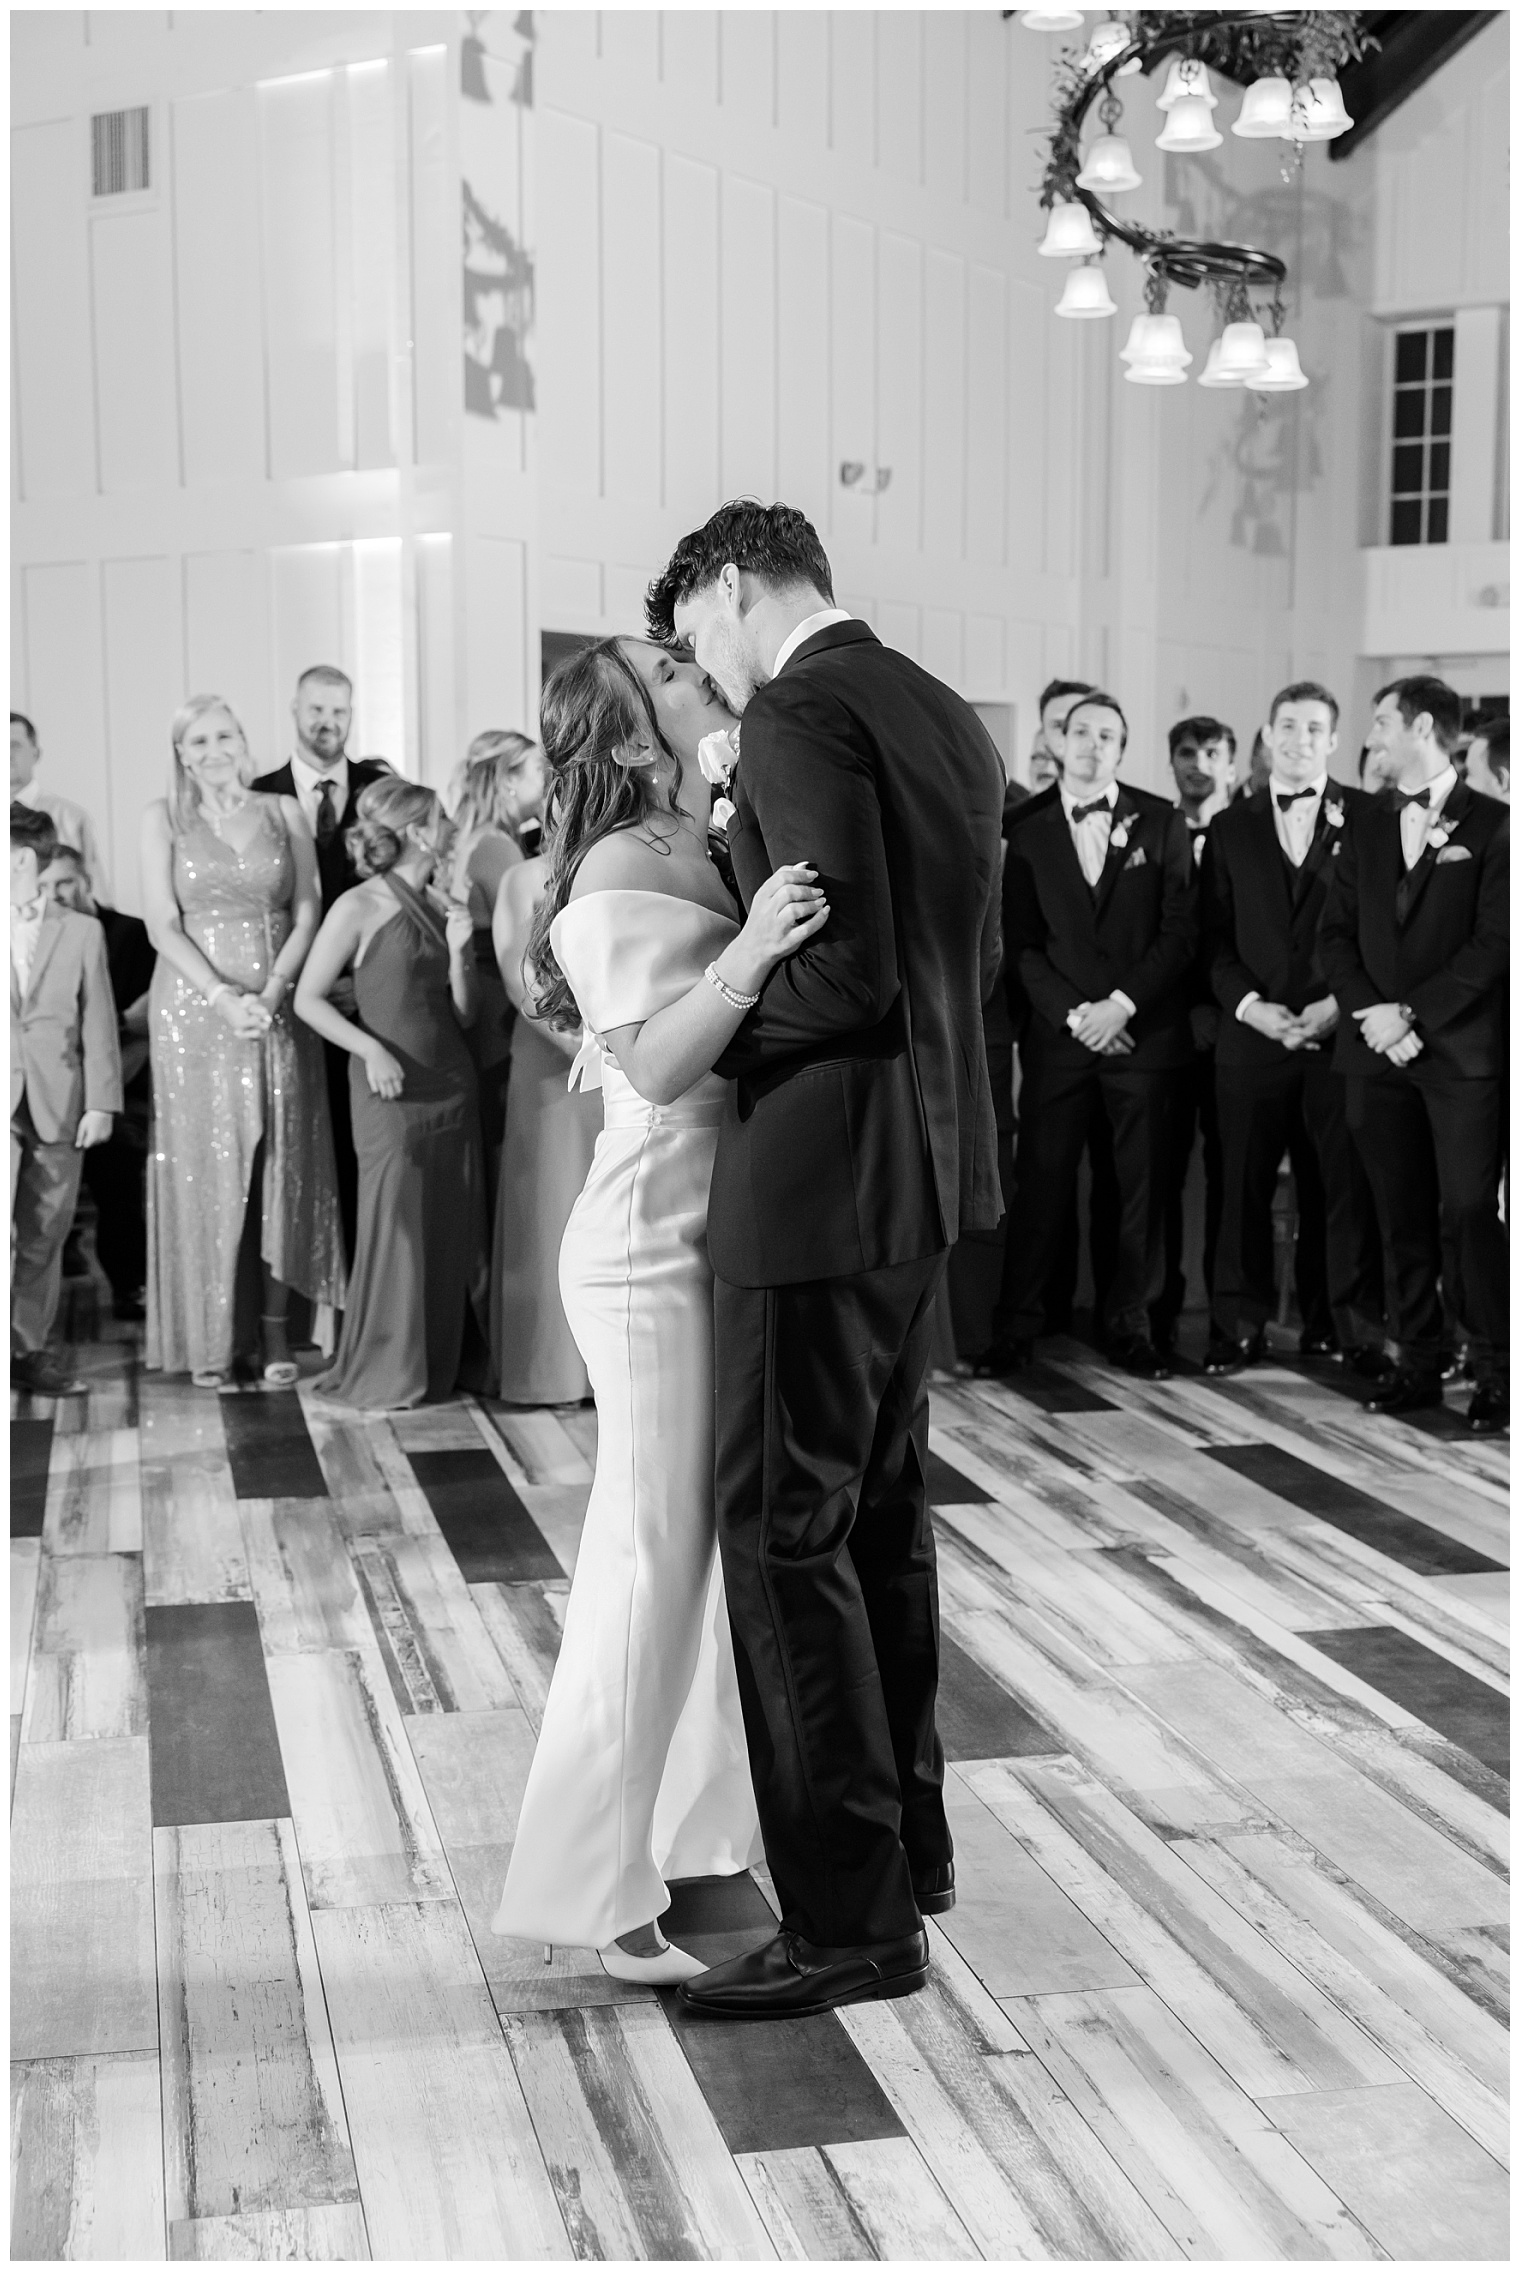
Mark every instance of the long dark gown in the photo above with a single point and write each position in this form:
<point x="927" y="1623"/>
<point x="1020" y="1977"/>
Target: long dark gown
<point x="421" y="1255"/>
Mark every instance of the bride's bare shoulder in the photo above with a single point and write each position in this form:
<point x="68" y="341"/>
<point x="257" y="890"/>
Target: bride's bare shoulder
<point x="623" y="861"/>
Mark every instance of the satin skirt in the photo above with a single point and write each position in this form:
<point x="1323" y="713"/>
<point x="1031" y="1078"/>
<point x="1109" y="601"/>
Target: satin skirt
<point x="641" y="1772"/>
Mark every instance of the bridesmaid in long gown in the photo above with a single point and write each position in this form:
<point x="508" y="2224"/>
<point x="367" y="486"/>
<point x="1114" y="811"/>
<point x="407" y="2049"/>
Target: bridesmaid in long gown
<point x="501" y="794"/>
<point x="242" y="1190"/>
<point x="551" y="1134"/>
<point x="641" y="1772"/>
<point x="420" y="1253"/>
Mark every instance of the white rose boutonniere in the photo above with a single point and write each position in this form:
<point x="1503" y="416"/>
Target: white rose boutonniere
<point x="1119" y="834"/>
<point x="1439" y="837"/>
<point x="718" y="754"/>
<point x="1335" y="814"/>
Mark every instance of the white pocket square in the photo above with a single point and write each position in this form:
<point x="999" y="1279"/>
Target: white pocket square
<point x="1452" y="852"/>
<point x="1136" y="858"/>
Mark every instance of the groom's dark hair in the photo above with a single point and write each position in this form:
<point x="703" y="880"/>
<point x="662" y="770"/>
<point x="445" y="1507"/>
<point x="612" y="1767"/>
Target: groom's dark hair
<point x="774" y="542"/>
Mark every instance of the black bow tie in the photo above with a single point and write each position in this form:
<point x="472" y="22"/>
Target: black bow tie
<point x="1291" y="796"/>
<point x="1414" y="796"/>
<point x="1086" y="811"/>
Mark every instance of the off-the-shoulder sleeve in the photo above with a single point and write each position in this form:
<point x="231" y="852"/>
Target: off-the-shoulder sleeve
<point x="627" y="954"/>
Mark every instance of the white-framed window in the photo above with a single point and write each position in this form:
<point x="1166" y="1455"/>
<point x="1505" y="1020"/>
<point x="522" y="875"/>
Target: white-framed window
<point x="1424" y="377"/>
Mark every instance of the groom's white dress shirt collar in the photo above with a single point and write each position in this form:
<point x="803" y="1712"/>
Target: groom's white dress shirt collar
<point x="806" y="629"/>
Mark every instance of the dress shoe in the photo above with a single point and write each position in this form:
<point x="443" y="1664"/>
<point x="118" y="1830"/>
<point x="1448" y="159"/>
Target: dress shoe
<point x="1488" y="1413"/>
<point x="668" y="1968"/>
<point x="1367" y="1361"/>
<point x="1135" y="1355"/>
<point x="934" y="1889"/>
<point x="1003" y="1358"/>
<point x="39" y="1373"/>
<point x="1458" y="1365"/>
<point x="1403" y="1391"/>
<point x="1223" y="1356"/>
<point x="790" y="1978"/>
<point x="1318" y="1344"/>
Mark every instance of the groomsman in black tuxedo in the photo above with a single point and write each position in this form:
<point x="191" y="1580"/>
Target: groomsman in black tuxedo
<point x="1266" y="872"/>
<point x="327" y="785"/>
<point x="1415" y="942"/>
<point x="1202" y="751"/>
<point x="1100" y="908"/>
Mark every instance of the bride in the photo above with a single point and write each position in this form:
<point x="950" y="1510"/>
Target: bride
<point x="641" y="1772"/>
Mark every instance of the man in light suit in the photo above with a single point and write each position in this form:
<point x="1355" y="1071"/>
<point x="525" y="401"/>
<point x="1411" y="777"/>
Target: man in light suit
<point x="65" y="1086"/>
<point x="327" y="784"/>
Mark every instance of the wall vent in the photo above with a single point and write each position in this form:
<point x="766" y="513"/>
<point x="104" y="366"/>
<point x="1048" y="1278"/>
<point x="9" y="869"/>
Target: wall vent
<point x="118" y="152"/>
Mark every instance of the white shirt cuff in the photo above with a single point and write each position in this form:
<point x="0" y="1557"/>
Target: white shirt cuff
<point x="1244" y="1004"/>
<point x="1124" y="1002"/>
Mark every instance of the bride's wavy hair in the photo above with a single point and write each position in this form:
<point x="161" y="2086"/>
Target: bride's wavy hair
<point x="594" y="715"/>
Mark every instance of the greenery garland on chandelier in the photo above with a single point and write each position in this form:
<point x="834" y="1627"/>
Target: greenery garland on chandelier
<point x="1289" y="64"/>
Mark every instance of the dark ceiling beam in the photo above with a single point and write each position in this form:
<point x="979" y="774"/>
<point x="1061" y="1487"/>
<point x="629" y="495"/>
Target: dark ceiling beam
<point x="1415" y="44"/>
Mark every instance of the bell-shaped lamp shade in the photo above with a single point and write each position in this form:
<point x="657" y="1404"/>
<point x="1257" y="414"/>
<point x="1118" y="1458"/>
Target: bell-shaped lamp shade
<point x="1265" y="115"/>
<point x="1086" y="294"/>
<point x="1187" y="76"/>
<point x="1051" y="19"/>
<point x="1242" y="354"/>
<point x="1209" y="375"/>
<point x="1282" y="374"/>
<point x="1155" y="351"/>
<point x="1189" y="127"/>
<point x="1324" y="113"/>
<point x="1109" y="166"/>
<point x="1069" y="234"/>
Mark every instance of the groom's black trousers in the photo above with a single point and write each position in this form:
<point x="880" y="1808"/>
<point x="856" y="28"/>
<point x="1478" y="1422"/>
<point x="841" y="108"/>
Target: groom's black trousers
<point x="828" y="1561"/>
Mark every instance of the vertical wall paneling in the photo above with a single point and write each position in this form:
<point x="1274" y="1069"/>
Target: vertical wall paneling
<point x="802" y="76"/>
<point x="986" y="416"/>
<point x="747" y="64"/>
<point x="631" y="48"/>
<point x="853" y="311"/>
<point x="143" y="662"/>
<point x="133" y="308"/>
<point x="569" y="328"/>
<point x="311" y="622"/>
<point x="435" y="258"/>
<point x="942" y="655"/>
<point x="1476" y="413"/>
<point x="372" y="207"/>
<point x="51" y="310"/>
<point x="226" y="647"/>
<point x="440" y="744"/>
<point x="1044" y="384"/>
<point x="218" y="305"/>
<point x="689" y="55"/>
<point x="987" y="112"/>
<point x="900" y="389"/>
<point x="945" y="104"/>
<point x="689" y="350"/>
<point x="380" y="677"/>
<point x="986" y="665"/>
<point x="66" y="692"/>
<point x="900" y="95"/>
<point x="632" y="344"/>
<point x="807" y="470"/>
<point x="300" y="281"/>
<point x="748" y="302"/>
<point x="944" y="405"/>
<point x="852" y="85"/>
<point x="495" y="633"/>
<point x="897" y="626"/>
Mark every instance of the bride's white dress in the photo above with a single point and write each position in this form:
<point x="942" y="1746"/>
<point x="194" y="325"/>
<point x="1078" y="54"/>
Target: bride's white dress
<point x="641" y="1772"/>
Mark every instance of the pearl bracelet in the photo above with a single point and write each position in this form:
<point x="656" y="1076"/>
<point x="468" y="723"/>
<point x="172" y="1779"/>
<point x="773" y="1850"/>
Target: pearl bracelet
<point x="730" y="994"/>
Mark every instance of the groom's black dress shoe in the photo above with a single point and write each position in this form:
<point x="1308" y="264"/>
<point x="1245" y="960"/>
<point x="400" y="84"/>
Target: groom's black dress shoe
<point x="934" y="1889"/>
<point x="1003" y="1359"/>
<point x="790" y="1979"/>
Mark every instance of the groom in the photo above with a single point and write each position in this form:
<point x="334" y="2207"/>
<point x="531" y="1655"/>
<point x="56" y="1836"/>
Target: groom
<point x="859" y="1143"/>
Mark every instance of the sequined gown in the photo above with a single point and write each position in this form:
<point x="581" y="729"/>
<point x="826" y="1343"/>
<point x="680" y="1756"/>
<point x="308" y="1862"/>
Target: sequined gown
<point x="420" y="1256"/>
<point x="216" y="1097"/>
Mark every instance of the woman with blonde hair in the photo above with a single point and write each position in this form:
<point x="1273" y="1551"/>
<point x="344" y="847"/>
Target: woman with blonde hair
<point x="420" y="1256"/>
<point x="242" y="1192"/>
<point x="500" y="799"/>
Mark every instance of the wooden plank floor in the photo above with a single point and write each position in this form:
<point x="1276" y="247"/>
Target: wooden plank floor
<point x="1225" y="1707"/>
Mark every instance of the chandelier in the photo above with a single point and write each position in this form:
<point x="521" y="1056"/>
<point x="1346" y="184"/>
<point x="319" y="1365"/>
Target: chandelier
<point x="1289" y="65"/>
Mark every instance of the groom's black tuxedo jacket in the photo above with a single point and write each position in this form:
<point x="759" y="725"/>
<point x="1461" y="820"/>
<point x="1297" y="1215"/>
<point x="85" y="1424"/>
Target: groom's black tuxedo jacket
<point x="860" y="1129"/>
<point x="1435" y="937"/>
<point x="334" y="867"/>
<point x="1065" y="943"/>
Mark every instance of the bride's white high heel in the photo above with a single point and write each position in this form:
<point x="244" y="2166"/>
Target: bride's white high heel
<point x="667" y="1969"/>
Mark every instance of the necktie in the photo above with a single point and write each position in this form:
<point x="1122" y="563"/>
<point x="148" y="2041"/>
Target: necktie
<point x="327" y="818"/>
<point x="1291" y="796"/>
<point x="1086" y="811"/>
<point x="1414" y="796"/>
